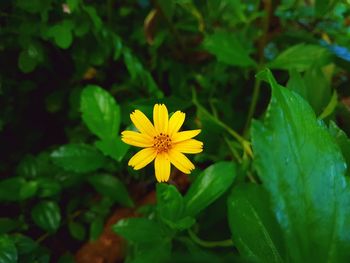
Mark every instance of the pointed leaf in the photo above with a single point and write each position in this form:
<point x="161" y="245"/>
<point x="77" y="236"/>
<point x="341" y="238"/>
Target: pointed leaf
<point x="254" y="228"/>
<point x="303" y="170"/>
<point x="100" y="112"/>
<point x="80" y="158"/>
<point x="227" y="49"/>
<point x="208" y="186"/>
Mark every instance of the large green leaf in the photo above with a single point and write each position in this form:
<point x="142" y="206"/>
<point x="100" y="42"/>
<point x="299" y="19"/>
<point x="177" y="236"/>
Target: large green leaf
<point x="303" y="170"/>
<point x="208" y="186"/>
<point x="227" y="49"/>
<point x="8" y="251"/>
<point x="100" y="112"/>
<point x="112" y="187"/>
<point x="298" y="57"/>
<point x="80" y="158"/>
<point x="46" y="215"/>
<point x="254" y="229"/>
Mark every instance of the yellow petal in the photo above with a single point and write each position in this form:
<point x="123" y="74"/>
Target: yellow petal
<point x="184" y="135"/>
<point x="189" y="146"/>
<point x="142" y="158"/>
<point x="160" y="118"/>
<point x="180" y="161"/>
<point x="137" y="139"/>
<point x="175" y="122"/>
<point x="162" y="167"/>
<point x="142" y="123"/>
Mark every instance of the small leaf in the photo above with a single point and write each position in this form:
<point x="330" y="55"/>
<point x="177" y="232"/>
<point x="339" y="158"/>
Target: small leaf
<point x="170" y="207"/>
<point x="139" y="230"/>
<point x="48" y="187"/>
<point x="80" y="158"/>
<point x="298" y="57"/>
<point x="46" y="215"/>
<point x="100" y="112"/>
<point x="112" y="187"/>
<point x="96" y="228"/>
<point x="10" y="188"/>
<point x="77" y="230"/>
<point x="8" y="251"/>
<point x="227" y="49"/>
<point x="26" y="63"/>
<point x="24" y="244"/>
<point x="114" y="148"/>
<point x="167" y="7"/>
<point x="343" y="142"/>
<point x="254" y="229"/>
<point x="62" y="35"/>
<point x="73" y="4"/>
<point x="28" y="190"/>
<point x="208" y="186"/>
<point x="7" y="225"/>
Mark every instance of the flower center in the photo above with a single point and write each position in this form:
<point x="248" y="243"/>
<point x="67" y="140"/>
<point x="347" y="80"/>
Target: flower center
<point x="162" y="143"/>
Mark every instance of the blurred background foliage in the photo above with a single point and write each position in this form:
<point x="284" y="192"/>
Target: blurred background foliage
<point x="72" y="71"/>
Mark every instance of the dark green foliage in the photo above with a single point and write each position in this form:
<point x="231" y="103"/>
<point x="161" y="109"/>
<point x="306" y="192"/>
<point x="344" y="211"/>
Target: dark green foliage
<point x="272" y="183"/>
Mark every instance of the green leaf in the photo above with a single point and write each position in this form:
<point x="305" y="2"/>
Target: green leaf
<point x="30" y="57"/>
<point x="167" y="7"/>
<point x="100" y="112"/>
<point x="208" y="186"/>
<point x="303" y="170"/>
<point x="296" y="83"/>
<point x="319" y="89"/>
<point x="170" y="207"/>
<point x="298" y="57"/>
<point x="331" y="106"/>
<point x="139" y="230"/>
<point x="46" y="215"/>
<point x="158" y="252"/>
<point x="343" y="142"/>
<point x="28" y="190"/>
<point x="170" y="204"/>
<point x="10" y="188"/>
<point x="48" y="187"/>
<point x="62" y="34"/>
<point x="254" y="229"/>
<point x="7" y="225"/>
<point x="8" y="251"/>
<point x="96" y="228"/>
<point x="80" y="158"/>
<point x="112" y="187"/>
<point x="227" y="49"/>
<point x="323" y="7"/>
<point x="77" y="230"/>
<point x="73" y="4"/>
<point x="26" y="63"/>
<point x="96" y="20"/>
<point x="24" y="244"/>
<point x="114" y="148"/>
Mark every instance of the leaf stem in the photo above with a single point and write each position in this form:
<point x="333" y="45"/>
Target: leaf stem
<point x="257" y="82"/>
<point x="232" y="132"/>
<point x="209" y="244"/>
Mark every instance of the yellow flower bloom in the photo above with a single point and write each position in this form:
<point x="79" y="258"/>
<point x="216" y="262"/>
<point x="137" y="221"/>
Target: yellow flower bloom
<point x="162" y="142"/>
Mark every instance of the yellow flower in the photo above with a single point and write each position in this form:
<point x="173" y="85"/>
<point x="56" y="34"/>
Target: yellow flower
<point x="162" y="142"/>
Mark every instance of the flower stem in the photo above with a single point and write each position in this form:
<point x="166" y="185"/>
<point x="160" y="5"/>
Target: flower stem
<point x="209" y="244"/>
<point x="232" y="132"/>
<point x="261" y="45"/>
